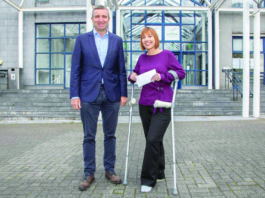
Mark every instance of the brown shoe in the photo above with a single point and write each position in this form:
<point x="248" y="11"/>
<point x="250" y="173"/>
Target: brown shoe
<point x="86" y="183"/>
<point x="113" y="177"/>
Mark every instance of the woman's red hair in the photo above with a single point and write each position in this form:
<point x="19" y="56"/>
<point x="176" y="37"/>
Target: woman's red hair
<point x="146" y="31"/>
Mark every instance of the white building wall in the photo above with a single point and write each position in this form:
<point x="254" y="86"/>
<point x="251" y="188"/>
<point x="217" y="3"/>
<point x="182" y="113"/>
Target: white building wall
<point x="8" y="36"/>
<point x="231" y="24"/>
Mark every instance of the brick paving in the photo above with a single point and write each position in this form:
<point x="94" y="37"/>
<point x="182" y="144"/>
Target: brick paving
<point x="215" y="159"/>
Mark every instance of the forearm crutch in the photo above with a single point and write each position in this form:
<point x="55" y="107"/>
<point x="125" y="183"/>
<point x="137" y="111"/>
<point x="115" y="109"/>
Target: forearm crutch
<point x="159" y="103"/>
<point x="175" y="192"/>
<point x="131" y="103"/>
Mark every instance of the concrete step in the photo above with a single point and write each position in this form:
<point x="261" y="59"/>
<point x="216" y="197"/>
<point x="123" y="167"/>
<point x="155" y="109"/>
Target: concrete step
<point x="35" y="103"/>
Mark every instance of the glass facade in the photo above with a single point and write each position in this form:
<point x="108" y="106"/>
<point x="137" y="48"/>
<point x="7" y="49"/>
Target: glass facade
<point x="182" y="32"/>
<point x="54" y="46"/>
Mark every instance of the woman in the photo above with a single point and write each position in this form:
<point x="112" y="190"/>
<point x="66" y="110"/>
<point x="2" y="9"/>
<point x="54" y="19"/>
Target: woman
<point x="155" y="120"/>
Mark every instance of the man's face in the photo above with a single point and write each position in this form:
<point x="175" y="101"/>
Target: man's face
<point x="100" y="20"/>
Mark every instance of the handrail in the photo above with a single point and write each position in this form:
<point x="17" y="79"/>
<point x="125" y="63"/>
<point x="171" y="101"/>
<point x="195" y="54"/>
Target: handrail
<point x="237" y="85"/>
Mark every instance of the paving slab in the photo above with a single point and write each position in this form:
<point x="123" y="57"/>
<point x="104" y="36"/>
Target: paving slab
<point x="215" y="157"/>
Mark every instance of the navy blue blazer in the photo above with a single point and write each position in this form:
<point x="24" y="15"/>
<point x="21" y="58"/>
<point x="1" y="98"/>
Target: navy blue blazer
<point x="87" y="72"/>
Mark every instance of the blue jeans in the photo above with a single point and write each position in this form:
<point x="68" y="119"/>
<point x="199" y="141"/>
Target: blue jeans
<point x="89" y="115"/>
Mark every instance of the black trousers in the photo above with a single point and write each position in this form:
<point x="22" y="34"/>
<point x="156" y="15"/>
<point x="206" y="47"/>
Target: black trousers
<point x="155" y="126"/>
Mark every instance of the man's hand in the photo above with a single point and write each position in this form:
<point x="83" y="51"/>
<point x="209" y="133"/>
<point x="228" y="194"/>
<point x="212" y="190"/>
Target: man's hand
<point x="123" y="101"/>
<point x="76" y="103"/>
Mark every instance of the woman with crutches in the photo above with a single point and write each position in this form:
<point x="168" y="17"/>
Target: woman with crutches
<point x="155" y="120"/>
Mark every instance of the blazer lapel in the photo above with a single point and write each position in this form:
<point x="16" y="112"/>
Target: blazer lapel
<point x="93" y="47"/>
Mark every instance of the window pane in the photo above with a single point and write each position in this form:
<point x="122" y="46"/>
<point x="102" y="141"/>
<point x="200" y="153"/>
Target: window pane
<point x="187" y="32"/>
<point x="201" y="78"/>
<point x="136" y="32"/>
<point x="57" y="77"/>
<point x="42" y="77"/>
<point x="71" y="29"/>
<point x="172" y="33"/>
<point x="237" y="45"/>
<point x="57" y="30"/>
<point x="188" y="47"/>
<point x="172" y="46"/>
<point x="127" y="58"/>
<point x="57" y="45"/>
<point x="135" y="57"/>
<point x="187" y="17"/>
<point x="136" y="46"/>
<point x="172" y="17"/>
<point x="201" y="46"/>
<point x="42" y="61"/>
<point x="57" y="61"/>
<point x="43" y="31"/>
<point x="188" y="61"/>
<point x="189" y="79"/>
<point x="154" y="17"/>
<point x="43" y="45"/>
<point x="138" y="16"/>
<point x="67" y="69"/>
<point x="82" y="28"/>
<point x="69" y="44"/>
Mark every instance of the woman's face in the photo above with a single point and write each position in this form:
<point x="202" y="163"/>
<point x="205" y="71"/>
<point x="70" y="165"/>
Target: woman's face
<point x="148" y="41"/>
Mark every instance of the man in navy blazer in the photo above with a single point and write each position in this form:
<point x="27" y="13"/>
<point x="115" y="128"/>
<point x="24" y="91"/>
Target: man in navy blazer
<point x="98" y="83"/>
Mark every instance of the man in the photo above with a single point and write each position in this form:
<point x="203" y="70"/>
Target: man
<point x="98" y="83"/>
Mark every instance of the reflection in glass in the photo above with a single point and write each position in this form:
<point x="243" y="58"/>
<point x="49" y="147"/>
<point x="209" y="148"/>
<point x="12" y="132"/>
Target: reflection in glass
<point x="138" y="3"/>
<point x="68" y="59"/>
<point x="127" y="58"/>
<point x="172" y="46"/>
<point x="135" y="57"/>
<point x="42" y="45"/>
<point x="82" y="28"/>
<point x="57" y="60"/>
<point x="154" y="17"/>
<point x="187" y="17"/>
<point x="42" y="77"/>
<point x="43" y="31"/>
<point x="57" y="77"/>
<point x="71" y="29"/>
<point x="201" y="65"/>
<point x="42" y="61"/>
<point x="187" y="33"/>
<point x="172" y="17"/>
<point x="238" y="44"/>
<point x="57" y="45"/>
<point x="136" y="46"/>
<point x="189" y="78"/>
<point x="188" y="61"/>
<point x="201" y="47"/>
<point x="172" y="33"/>
<point x="136" y="32"/>
<point x="57" y="30"/>
<point x="188" y="47"/>
<point x="69" y="44"/>
<point x="187" y="3"/>
<point x="201" y="78"/>
<point x="138" y="16"/>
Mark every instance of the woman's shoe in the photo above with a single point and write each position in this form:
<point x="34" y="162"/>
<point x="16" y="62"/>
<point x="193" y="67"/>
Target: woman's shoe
<point x="146" y="189"/>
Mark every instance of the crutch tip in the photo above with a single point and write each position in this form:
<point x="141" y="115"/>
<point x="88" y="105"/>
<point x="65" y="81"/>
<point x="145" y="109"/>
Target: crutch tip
<point x="175" y="192"/>
<point x="125" y="183"/>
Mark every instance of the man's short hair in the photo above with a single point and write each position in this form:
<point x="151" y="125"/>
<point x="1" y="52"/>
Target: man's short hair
<point x="100" y="7"/>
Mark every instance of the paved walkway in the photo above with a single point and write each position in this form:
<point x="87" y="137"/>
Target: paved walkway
<point x="215" y="158"/>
